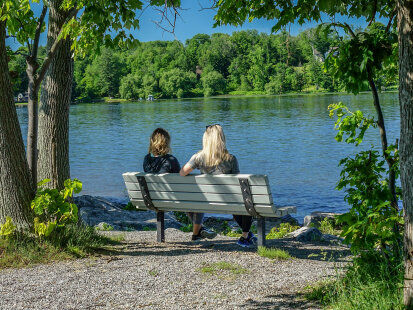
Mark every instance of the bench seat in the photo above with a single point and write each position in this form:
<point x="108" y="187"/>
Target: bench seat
<point x="243" y="194"/>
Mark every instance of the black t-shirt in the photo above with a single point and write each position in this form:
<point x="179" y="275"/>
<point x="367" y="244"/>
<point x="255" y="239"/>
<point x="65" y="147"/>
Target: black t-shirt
<point x="161" y="164"/>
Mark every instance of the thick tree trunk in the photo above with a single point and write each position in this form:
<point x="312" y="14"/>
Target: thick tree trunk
<point x="405" y="27"/>
<point x="54" y="106"/>
<point x="15" y="185"/>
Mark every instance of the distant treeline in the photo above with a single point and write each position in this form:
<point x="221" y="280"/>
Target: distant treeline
<point x="244" y="62"/>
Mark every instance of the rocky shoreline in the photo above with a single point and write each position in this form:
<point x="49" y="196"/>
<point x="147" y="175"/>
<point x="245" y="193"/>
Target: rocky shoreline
<point x="104" y="212"/>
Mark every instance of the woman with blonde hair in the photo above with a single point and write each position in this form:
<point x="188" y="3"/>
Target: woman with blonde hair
<point x="214" y="158"/>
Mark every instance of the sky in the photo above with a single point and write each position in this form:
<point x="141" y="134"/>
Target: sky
<point x="193" y="20"/>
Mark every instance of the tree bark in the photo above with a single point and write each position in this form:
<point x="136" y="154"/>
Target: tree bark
<point x="405" y="27"/>
<point x="54" y="105"/>
<point x="33" y="117"/>
<point x="16" y="191"/>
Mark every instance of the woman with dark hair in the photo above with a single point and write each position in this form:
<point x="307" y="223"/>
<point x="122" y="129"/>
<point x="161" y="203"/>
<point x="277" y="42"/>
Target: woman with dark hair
<point x="214" y="158"/>
<point x="158" y="160"/>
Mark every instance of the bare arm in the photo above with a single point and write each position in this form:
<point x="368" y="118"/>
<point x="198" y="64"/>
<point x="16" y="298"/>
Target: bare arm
<point x="187" y="169"/>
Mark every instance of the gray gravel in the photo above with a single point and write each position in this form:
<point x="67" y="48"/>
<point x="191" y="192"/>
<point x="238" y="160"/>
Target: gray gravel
<point x="143" y="274"/>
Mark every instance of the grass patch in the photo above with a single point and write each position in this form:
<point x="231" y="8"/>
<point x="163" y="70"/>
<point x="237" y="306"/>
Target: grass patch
<point x="223" y="269"/>
<point x="273" y="253"/>
<point x="327" y="227"/>
<point x="105" y="227"/>
<point x="71" y="241"/>
<point x="149" y="228"/>
<point x="370" y="282"/>
<point x="117" y="237"/>
<point x="281" y="231"/>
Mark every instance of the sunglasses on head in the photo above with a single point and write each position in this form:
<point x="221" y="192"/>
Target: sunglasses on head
<point x="207" y="126"/>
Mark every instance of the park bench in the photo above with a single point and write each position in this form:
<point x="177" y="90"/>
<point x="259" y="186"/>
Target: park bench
<point x="244" y="194"/>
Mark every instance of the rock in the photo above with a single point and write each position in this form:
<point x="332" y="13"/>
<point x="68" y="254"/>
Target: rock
<point x="316" y="217"/>
<point x="332" y="239"/>
<point x="306" y="234"/>
<point x="104" y="212"/>
<point x="276" y="221"/>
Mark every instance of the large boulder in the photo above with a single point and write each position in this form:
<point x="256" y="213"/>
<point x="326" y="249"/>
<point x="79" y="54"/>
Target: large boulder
<point x="315" y="218"/>
<point x="106" y="212"/>
<point x="305" y="234"/>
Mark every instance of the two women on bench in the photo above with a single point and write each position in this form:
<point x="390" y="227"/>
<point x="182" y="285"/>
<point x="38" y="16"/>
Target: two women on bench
<point x="160" y="161"/>
<point x="214" y="158"/>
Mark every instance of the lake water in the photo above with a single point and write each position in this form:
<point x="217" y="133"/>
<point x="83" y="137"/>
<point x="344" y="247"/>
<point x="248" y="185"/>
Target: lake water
<point x="288" y="138"/>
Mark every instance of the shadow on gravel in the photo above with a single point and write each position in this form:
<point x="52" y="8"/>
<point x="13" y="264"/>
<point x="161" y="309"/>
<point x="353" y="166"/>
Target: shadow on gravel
<point x="298" y="250"/>
<point x="281" y="301"/>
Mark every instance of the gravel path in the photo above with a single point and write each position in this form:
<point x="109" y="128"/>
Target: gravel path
<point x="143" y="274"/>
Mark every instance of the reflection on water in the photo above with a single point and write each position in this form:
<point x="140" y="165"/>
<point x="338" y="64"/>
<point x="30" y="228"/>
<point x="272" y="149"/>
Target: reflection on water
<point x="289" y="138"/>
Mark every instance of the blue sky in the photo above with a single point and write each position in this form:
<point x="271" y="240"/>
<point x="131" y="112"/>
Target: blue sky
<point x="193" y="20"/>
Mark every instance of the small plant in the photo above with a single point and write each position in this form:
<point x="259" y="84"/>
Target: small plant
<point x="53" y="208"/>
<point x="273" y="253"/>
<point x="186" y="228"/>
<point x="228" y="231"/>
<point x="182" y="217"/>
<point x="7" y="229"/>
<point x="129" y="207"/>
<point x="148" y="228"/>
<point x="154" y="272"/>
<point x="105" y="227"/>
<point x="327" y="227"/>
<point x="281" y="231"/>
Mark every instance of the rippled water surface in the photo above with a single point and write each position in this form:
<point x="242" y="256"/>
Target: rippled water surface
<point x="289" y="138"/>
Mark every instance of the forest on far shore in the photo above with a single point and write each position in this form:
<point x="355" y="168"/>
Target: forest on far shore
<point x="246" y="62"/>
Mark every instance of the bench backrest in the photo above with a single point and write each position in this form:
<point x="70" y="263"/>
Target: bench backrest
<point x="203" y="193"/>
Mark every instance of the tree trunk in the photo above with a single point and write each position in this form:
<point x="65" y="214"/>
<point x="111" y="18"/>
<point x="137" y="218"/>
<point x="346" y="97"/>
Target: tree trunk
<point x="33" y="118"/>
<point x="15" y="185"/>
<point x="384" y="145"/>
<point x="54" y="106"/>
<point x="405" y="27"/>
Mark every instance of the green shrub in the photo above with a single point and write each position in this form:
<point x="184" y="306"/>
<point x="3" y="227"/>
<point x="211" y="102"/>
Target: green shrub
<point x="326" y="226"/>
<point x="281" y="231"/>
<point x="370" y="282"/>
<point x="7" y="229"/>
<point x="52" y="208"/>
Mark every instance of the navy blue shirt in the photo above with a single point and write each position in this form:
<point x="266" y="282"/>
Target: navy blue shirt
<point x="161" y="164"/>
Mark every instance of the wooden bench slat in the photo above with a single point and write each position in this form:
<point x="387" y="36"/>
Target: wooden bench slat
<point x="230" y="179"/>
<point x="207" y="197"/>
<point x="199" y="188"/>
<point x="225" y="208"/>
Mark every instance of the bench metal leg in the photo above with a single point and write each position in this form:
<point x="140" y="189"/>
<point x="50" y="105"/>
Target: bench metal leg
<point x="160" y="226"/>
<point x="261" y="231"/>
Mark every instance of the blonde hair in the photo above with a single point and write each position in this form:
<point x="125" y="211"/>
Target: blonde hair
<point x="214" y="149"/>
<point x="160" y="142"/>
